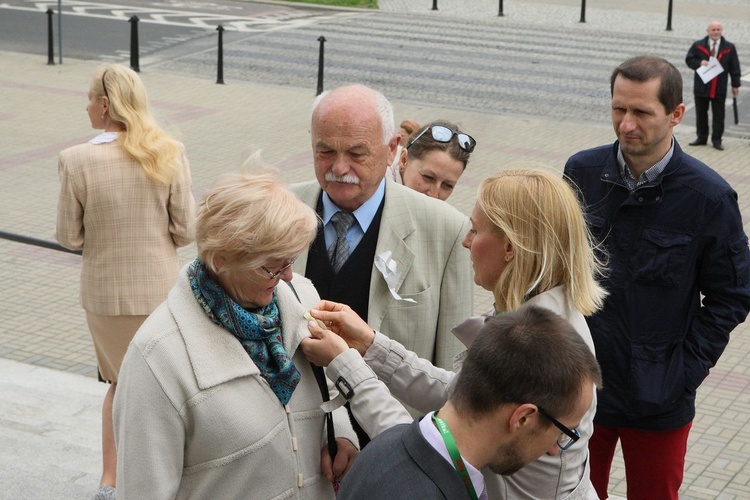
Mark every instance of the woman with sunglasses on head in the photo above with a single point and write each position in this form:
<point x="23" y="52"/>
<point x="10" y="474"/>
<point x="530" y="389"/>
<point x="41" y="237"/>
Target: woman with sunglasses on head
<point x="434" y="158"/>
<point x="215" y="398"/>
<point x="126" y="200"/>
<point x="529" y="245"/>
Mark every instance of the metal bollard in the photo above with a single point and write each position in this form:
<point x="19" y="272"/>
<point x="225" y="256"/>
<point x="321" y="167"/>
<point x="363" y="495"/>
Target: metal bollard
<point x="134" y="43"/>
<point x="583" y="11"/>
<point x="500" y="9"/>
<point x="669" y="17"/>
<point x="59" y="30"/>
<point x="220" y="65"/>
<point x="50" y="39"/>
<point x="434" y="5"/>
<point x="322" y="40"/>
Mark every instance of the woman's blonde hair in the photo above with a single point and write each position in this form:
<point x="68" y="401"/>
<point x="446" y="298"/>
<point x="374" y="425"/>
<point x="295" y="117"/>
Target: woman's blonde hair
<point x="141" y="138"/>
<point x="250" y="218"/>
<point x="541" y="217"/>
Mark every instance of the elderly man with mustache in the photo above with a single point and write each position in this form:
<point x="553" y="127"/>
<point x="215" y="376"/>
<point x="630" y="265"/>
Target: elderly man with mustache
<point x="392" y="254"/>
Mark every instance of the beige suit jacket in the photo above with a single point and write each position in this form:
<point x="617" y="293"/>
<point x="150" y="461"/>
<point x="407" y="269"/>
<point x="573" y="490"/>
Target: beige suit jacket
<point x="128" y="227"/>
<point x="424" y="235"/>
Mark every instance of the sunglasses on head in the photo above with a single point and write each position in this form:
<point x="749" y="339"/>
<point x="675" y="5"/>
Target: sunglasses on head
<point x="444" y="134"/>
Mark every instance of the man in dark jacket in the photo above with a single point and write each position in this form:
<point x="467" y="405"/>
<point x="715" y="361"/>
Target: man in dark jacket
<point x="679" y="279"/>
<point x="715" y="90"/>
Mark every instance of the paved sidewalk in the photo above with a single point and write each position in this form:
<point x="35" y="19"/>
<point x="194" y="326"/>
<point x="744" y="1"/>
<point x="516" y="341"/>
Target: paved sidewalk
<point x="49" y="399"/>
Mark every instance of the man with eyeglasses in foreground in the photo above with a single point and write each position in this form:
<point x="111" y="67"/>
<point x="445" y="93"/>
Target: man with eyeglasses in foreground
<point x="390" y="253"/>
<point x="526" y="383"/>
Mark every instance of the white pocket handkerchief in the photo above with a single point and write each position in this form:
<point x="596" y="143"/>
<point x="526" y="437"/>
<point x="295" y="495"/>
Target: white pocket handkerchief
<point x="389" y="269"/>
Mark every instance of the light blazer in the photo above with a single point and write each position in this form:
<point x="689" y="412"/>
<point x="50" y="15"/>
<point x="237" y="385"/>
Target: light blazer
<point x="194" y="418"/>
<point x="424" y="234"/>
<point x="128" y="227"/>
<point x="425" y="387"/>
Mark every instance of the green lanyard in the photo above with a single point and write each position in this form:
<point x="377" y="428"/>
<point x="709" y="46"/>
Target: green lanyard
<point x="458" y="462"/>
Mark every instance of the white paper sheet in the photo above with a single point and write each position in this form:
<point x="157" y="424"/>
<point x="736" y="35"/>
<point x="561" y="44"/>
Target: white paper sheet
<point x="710" y="70"/>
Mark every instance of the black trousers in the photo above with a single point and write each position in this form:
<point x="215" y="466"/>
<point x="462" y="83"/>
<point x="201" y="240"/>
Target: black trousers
<point x="701" y="117"/>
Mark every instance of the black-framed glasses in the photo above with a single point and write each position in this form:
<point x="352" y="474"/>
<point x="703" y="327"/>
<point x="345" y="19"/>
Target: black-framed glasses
<point x="273" y="275"/>
<point x="441" y="133"/>
<point x="569" y="436"/>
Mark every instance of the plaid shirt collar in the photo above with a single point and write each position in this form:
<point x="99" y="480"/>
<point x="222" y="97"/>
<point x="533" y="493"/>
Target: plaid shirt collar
<point x="649" y="175"/>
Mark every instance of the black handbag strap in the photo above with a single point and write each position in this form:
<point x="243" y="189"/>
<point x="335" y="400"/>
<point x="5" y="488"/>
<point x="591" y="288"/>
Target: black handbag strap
<point x="320" y="378"/>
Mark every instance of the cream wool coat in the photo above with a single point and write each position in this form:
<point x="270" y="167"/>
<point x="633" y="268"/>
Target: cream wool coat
<point x="418" y="383"/>
<point x="194" y="419"/>
<point x="128" y="227"/>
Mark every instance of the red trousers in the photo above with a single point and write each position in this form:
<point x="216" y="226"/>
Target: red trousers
<point x="654" y="460"/>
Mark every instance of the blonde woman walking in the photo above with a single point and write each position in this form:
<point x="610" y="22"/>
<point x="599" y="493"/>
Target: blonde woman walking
<point x="126" y="200"/>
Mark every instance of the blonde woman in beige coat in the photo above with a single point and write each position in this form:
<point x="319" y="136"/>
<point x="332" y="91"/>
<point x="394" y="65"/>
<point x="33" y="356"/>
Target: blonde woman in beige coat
<point x="216" y="400"/>
<point x="126" y="200"/>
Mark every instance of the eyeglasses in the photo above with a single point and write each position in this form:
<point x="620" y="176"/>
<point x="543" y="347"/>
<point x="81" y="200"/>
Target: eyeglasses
<point x="569" y="435"/>
<point x="273" y="275"/>
<point x="444" y="134"/>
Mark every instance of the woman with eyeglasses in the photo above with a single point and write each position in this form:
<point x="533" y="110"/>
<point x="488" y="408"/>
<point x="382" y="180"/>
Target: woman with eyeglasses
<point x="126" y="200"/>
<point x="215" y="398"/>
<point x="529" y="245"/>
<point x="433" y="159"/>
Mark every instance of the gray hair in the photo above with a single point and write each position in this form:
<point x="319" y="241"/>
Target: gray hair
<point x="382" y="105"/>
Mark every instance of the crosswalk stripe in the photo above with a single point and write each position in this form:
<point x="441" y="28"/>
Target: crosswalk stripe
<point x="177" y="17"/>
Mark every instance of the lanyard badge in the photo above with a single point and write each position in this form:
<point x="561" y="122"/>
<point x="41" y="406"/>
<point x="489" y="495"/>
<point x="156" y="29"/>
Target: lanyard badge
<point x="458" y="462"/>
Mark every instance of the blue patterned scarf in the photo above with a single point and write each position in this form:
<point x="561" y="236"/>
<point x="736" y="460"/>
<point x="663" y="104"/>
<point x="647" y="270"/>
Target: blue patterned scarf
<point x="259" y="331"/>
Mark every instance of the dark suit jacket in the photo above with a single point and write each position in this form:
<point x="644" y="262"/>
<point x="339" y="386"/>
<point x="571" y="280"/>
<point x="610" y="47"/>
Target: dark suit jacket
<point x="401" y="464"/>
<point x="727" y="56"/>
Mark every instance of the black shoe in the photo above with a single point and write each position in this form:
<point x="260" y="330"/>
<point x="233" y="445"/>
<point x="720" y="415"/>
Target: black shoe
<point x="698" y="142"/>
<point x="717" y="145"/>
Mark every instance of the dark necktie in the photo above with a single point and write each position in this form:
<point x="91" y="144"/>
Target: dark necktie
<point x="338" y="252"/>
<point x="713" y="49"/>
